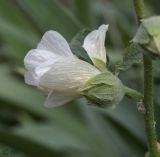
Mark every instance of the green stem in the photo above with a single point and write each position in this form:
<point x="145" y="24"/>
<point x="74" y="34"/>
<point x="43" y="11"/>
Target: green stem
<point x="148" y="91"/>
<point x="133" y="94"/>
<point x="148" y="102"/>
<point x="139" y="8"/>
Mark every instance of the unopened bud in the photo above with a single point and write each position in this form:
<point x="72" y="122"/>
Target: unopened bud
<point x="148" y="35"/>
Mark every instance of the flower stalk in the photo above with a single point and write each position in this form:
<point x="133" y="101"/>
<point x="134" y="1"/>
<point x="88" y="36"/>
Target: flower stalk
<point x="148" y="90"/>
<point x="133" y="94"/>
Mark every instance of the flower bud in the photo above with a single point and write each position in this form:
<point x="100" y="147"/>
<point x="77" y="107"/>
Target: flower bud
<point x="104" y="90"/>
<point x="148" y="35"/>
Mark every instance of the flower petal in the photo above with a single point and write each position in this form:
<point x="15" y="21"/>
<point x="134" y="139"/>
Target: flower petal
<point x="67" y="75"/>
<point x="54" y="42"/>
<point x="37" y="62"/>
<point x="31" y="78"/>
<point x="35" y="58"/>
<point x="94" y="43"/>
<point x="56" y="99"/>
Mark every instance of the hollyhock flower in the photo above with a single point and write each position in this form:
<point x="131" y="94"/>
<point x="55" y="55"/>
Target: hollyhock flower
<point x="54" y="69"/>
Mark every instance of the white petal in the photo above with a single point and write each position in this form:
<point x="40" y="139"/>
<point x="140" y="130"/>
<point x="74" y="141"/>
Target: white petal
<point x="67" y="75"/>
<point x="56" y="99"/>
<point x="94" y="43"/>
<point x="31" y="78"/>
<point x="35" y="58"/>
<point x="54" y="42"/>
<point x="37" y="62"/>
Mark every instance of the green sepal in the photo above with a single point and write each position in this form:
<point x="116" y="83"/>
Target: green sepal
<point x="104" y="90"/>
<point x="100" y="65"/>
<point x="103" y="78"/>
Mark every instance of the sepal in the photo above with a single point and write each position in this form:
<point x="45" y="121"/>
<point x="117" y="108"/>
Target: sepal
<point x="104" y="90"/>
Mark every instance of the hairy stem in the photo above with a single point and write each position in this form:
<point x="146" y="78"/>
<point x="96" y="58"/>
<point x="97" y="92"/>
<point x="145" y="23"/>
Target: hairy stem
<point x="148" y="102"/>
<point x="148" y="90"/>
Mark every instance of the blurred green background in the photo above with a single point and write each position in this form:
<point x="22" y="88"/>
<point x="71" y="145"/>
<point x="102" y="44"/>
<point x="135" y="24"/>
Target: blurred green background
<point x="27" y="129"/>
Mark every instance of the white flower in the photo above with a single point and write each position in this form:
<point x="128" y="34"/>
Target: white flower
<point x="54" y="69"/>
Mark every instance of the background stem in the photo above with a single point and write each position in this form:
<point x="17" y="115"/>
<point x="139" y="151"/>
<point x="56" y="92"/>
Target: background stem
<point x="148" y="90"/>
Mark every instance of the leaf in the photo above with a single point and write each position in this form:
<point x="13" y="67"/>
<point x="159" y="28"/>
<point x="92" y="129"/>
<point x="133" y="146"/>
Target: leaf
<point x="9" y="152"/>
<point x="16" y="33"/>
<point x="96" y="136"/>
<point x="127" y="115"/>
<point x="30" y="147"/>
<point x="77" y="43"/>
<point x="21" y="30"/>
<point x="133" y="55"/>
<point x="84" y="16"/>
<point x="51" y="14"/>
<point x="107" y="125"/>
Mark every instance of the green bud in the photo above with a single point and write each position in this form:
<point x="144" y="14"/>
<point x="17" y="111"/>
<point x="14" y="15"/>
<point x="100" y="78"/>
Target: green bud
<point x="104" y="90"/>
<point x="148" y="35"/>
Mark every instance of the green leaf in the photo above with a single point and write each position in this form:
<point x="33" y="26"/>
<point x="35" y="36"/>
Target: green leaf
<point x="51" y="15"/>
<point x="133" y="55"/>
<point x="77" y="43"/>
<point x="9" y="152"/>
<point x="106" y="124"/>
<point x="28" y="146"/>
<point x="99" y="64"/>
<point x="69" y="139"/>
<point x="86" y="15"/>
<point x="17" y="33"/>
<point x="21" y="30"/>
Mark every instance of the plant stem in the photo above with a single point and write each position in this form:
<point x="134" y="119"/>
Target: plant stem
<point x="148" y="102"/>
<point x="133" y="94"/>
<point x="139" y="9"/>
<point x="148" y="90"/>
